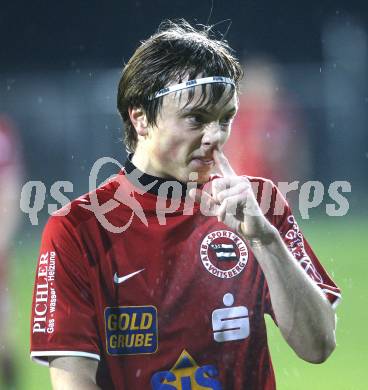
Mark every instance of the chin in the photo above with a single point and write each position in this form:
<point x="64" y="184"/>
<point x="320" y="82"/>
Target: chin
<point x="195" y="175"/>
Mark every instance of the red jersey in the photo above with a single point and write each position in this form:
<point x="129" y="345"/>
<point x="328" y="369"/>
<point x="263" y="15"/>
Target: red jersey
<point x="175" y="301"/>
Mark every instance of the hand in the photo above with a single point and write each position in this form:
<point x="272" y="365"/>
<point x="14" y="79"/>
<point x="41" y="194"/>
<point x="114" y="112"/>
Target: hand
<point x="233" y="202"/>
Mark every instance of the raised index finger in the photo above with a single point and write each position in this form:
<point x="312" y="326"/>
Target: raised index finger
<point x="223" y="164"/>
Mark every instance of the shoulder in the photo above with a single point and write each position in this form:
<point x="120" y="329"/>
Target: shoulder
<point x="106" y="207"/>
<point x="84" y="208"/>
<point x="271" y="200"/>
<point x="262" y="181"/>
<point x="263" y="188"/>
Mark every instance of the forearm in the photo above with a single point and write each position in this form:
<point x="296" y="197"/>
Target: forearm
<point x="304" y="315"/>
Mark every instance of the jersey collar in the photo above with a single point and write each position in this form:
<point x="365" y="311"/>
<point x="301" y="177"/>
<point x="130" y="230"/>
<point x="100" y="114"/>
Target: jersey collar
<point x="145" y="179"/>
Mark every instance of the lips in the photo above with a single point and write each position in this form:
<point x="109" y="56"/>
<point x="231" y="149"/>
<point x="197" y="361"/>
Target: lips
<point x="206" y="158"/>
<point x="202" y="160"/>
<point x="205" y="161"/>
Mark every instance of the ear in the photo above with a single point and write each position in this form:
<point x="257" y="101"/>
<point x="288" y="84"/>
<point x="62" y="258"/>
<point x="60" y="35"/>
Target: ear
<point x="139" y="119"/>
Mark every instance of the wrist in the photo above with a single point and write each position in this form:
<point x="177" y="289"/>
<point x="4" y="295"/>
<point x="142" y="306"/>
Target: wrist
<point x="267" y="238"/>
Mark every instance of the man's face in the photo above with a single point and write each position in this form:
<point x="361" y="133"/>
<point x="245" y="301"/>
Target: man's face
<point x="185" y="137"/>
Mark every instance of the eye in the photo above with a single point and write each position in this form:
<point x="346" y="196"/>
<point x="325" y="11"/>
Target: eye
<point x="226" y="122"/>
<point x="196" y="120"/>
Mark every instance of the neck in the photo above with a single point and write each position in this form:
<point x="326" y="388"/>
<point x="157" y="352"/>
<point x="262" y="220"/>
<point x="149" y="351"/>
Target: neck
<point x="151" y="182"/>
<point x="142" y="161"/>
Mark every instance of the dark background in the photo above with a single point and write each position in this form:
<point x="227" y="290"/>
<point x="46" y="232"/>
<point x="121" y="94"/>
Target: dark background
<point x="63" y="35"/>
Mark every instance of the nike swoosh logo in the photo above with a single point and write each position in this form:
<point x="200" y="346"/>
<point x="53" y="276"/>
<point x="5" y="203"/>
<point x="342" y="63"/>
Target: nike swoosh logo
<point x="126" y="277"/>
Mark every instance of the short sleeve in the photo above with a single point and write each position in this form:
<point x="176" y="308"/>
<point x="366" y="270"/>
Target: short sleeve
<point x="63" y="318"/>
<point x="282" y="218"/>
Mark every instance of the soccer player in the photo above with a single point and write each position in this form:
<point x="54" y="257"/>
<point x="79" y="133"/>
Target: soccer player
<point x="140" y="286"/>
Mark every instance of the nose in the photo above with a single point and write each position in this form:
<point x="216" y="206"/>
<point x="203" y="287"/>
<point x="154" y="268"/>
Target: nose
<point x="212" y="135"/>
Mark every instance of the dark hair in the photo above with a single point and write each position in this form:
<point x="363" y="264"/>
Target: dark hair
<point x="175" y="52"/>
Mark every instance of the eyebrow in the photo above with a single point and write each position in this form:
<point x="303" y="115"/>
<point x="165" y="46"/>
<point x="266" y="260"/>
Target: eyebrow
<point x="199" y="110"/>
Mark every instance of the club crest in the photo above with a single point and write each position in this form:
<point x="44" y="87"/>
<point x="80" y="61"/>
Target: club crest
<point x="223" y="254"/>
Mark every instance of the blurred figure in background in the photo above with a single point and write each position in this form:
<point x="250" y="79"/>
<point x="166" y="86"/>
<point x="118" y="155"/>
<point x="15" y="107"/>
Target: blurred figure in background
<point x="10" y="179"/>
<point x="267" y="132"/>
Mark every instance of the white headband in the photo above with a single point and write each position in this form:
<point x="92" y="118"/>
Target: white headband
<point x="192" y="83"/>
